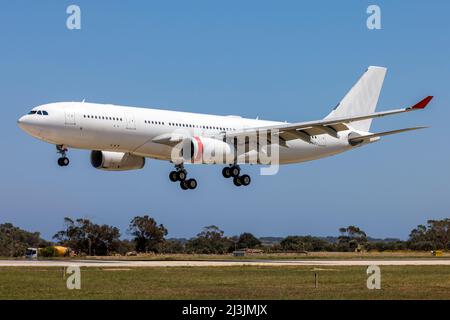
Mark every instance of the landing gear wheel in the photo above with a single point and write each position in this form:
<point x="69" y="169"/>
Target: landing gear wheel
<point x="63" y="161"/>
<point x="237" y="181"/>
<point x="181" y="175"/>
<point x="184" y="185"/>
<point x="245" y="180"/>
<point x="191" y="183"/>
<point x="226" y="172"/>
<point x="235" y="171"/>
<point x="173" y="176"/>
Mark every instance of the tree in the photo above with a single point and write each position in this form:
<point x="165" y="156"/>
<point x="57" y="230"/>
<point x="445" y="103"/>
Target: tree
<point x="173" y="246"/>
<point x="210" y="240"/>
<point x="14" y="241"/>
<point x="351" y="238"/>
<point x="125" y="246"/>
<point x="305" y="243"/>
<point x="86" y="237"/>
<point x="148" y="235"/>
<point x="247" y="240"/>
<point x="435" y="235"/>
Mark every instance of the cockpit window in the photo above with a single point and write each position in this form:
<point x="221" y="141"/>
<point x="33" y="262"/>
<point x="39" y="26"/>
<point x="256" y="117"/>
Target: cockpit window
<point x="39" y="112"/>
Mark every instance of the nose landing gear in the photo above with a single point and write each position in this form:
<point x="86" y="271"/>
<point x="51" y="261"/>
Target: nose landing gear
<point x="63" y="161"/>
<point x="234" y="172"/>
<point x="180" y="174"/>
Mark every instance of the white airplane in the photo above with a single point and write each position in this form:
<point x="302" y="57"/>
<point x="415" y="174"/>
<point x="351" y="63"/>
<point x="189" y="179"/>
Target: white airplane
<point x="122" y="137"/>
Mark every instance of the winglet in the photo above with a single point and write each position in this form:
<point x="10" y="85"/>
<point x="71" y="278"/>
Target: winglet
<point x="422" y="104"/>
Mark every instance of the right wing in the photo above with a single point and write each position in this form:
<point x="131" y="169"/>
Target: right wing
<point x="304" y="130"/>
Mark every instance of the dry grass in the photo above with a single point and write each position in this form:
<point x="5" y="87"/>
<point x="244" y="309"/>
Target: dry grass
<point x="249" y="282"/>
<point x="277" y="256"/>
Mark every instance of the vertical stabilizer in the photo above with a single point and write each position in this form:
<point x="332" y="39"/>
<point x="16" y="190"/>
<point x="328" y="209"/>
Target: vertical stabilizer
<point x="362" y="98"/>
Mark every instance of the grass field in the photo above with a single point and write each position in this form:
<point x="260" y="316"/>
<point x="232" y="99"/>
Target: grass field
<point x="277" y="256"/>
<point x="271" y="256"/>
<point x="249" y="282"/>
<point x="268" y="256"/>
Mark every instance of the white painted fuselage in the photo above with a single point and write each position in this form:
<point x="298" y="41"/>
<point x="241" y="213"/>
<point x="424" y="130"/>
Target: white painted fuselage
<point x="106" y="127"/>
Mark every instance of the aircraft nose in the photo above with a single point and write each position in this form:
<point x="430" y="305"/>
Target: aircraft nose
<point x="26" y="125"/>
<point x="21" y="121"/>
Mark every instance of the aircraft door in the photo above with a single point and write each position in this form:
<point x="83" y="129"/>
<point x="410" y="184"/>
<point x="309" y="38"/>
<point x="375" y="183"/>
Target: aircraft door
<point x="70" y="117"/>
<point x="130" y="121"/>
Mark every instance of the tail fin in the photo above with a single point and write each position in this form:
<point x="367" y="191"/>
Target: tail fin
<point x="362" y="98"/>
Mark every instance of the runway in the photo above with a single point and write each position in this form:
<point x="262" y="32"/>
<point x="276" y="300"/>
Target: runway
<point x="222" y="263"/>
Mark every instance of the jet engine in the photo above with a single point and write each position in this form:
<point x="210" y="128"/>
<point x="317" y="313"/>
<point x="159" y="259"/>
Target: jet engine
<point x="116" y="161"/>
<point x="207" y="150"/>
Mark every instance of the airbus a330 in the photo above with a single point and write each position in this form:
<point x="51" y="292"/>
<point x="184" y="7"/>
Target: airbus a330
<point x="121" y="138"/>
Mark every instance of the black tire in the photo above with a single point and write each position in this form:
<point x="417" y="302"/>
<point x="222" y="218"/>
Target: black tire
<point x="245" y="180"/>
<point x="235" y="171"/>
<point x="184" y="185"/>
<point x="226" y="172"/>
<point x="192" y="184"/>
<point x="173" y="176"/>
<point x="181" y="175"/>
<point x="65" y="161"/>
<point x="60" y="162"/>
<point x="237" y="181"/>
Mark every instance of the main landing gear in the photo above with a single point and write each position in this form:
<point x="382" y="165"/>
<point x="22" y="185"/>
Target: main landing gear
<point x="180" y="174"/>
<point x="234" y="172"/>
<point x="63" y="161"/>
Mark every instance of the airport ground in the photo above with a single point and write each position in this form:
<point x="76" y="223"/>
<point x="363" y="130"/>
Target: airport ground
<point x="372" y="255"/>
<point x="227" y="282"/>
<point x="404" y="275"/>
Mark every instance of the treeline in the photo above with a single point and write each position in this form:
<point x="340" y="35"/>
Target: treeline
<point x="14" y="241"/>
<point x="147" y="236"/>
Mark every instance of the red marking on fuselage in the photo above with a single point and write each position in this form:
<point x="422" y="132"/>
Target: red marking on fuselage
<point x="199" y="155"/>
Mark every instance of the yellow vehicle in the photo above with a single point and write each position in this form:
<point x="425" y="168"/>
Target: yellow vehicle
<point x="60" y="251"/>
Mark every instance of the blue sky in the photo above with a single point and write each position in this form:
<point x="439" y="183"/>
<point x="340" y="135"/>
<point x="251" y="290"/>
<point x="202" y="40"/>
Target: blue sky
<point x="288" y="60"/>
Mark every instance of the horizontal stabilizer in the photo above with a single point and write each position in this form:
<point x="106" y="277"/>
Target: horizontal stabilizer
<point x="359" y="139"/>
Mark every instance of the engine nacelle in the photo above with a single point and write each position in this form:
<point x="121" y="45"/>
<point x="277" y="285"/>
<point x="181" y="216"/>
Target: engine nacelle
<point x="207" y="150"/>
<point x="116" y="161"/>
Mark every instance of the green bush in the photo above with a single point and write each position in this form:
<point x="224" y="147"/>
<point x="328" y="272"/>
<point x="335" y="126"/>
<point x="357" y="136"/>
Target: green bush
<point x="48" y="252"/>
